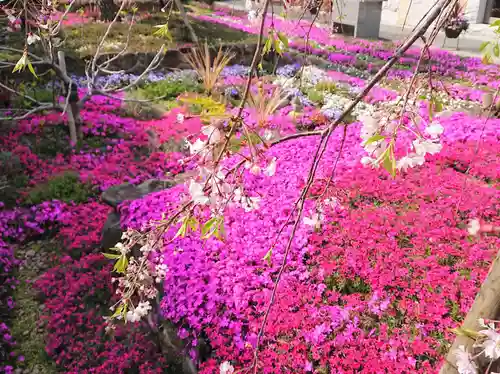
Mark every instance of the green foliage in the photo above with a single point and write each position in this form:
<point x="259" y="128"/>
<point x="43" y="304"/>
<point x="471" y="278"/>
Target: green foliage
<point x="169" y="89"/>
<point x="315" y="96"/>
<point x="347" y="286"/>
<point x="449" y="260"/>
<point x="326" y="86"/>
<point x="276" y="41"/>
<point x="33" y="89"/>
<point x="30" y="340"/>
<point x="65" y="187"/>
<point x="204" y="106"/>
<point x="454" y="309"/>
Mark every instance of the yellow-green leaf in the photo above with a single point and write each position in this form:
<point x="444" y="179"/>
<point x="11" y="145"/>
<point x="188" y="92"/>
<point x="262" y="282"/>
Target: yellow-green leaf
<point x="484" y="45"/>
<point x="389" y="162"/>
<point x="111" y="256"/>
<point x="466" y="332"/>
<point x="121" y="264"/>
<point x="374" y="138"/>
<point x="268" y="258"/>
<point x="283" y="39"/>
<point x="30" y="68"/>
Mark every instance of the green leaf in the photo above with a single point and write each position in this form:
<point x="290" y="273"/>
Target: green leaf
<point x="253" y="138"/>
<point x="183" y="229"/>
<point x="374" y="138"/>
<point x="460" y="331"/>
<point x="496" y="50"/>
<point x="121" y="265"/>
<point x="438" y="105"/>
<point x="21" y="64"/>
<point x="483" y="46"/>
<point x="389" y="161"/>
<point x="163" y="31"/>
<point x="277" y="47"/>
<point x="268" y="258"/>
<point x="30" y="68"/>
<point x="496" y="23"/>
<point x="118" y="311"/>
<point x="214" y="226"/>
<point x="111" y="256"/>
<point x="208" y="228"/>
<point x="268" y="45"/>
<point x="193" y="223"/>
<point x="221" y="231"/>
<point x="234" y="144"/>
<point x="283" y="39"/>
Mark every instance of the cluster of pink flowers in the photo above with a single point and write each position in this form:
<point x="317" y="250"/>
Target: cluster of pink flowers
<point x="75" y="315"/>
<point x="391" y="271"/>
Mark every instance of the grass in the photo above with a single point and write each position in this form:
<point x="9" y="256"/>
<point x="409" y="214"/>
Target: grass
<point x="30" y="340"/>
<point x="83" y="39"/>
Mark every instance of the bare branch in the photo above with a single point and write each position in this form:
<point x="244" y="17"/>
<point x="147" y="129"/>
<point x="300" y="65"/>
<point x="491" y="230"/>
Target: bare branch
<point x="32" y="111"/>
<point x="153" y="65"/>
<point x="93" y="64"/>
<point x="297" y="135"/>
<point x="15" y="92"/>
<point x="105" y="64"/>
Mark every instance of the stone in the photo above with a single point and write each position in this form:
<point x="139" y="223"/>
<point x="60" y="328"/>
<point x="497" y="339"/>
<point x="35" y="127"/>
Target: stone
<point x="112" y="231"/>
<point x="116" y="195"/>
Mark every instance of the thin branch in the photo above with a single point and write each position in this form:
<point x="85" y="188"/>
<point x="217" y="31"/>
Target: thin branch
<point x="105" y="64"/>
<point x="105" y="36"/>
<point x="32" y="111"/>
<point x="297" y="135"/>
<point x="15" y="92"/>
<point x="153" y="65"/>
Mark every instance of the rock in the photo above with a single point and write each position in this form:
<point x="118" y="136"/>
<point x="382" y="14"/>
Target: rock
<point x="116" y="195"/>
<point x="30" y="253"/>
<point x="112" y="231"/>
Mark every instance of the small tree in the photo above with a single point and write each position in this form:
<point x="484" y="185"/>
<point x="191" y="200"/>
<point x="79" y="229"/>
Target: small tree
<point x="42" y="53"/>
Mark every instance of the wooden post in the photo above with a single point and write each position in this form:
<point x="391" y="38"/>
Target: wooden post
<point x="486" y="305"/>
<point x="69" y="110"/>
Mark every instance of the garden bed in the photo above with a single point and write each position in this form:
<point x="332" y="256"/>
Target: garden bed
<point x="389" y="272"/>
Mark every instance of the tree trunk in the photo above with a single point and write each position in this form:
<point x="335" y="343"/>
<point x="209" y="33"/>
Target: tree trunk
<point x="108" y="10"/>
<point x="73" y="135"/>
<point x="485" y="306"/>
